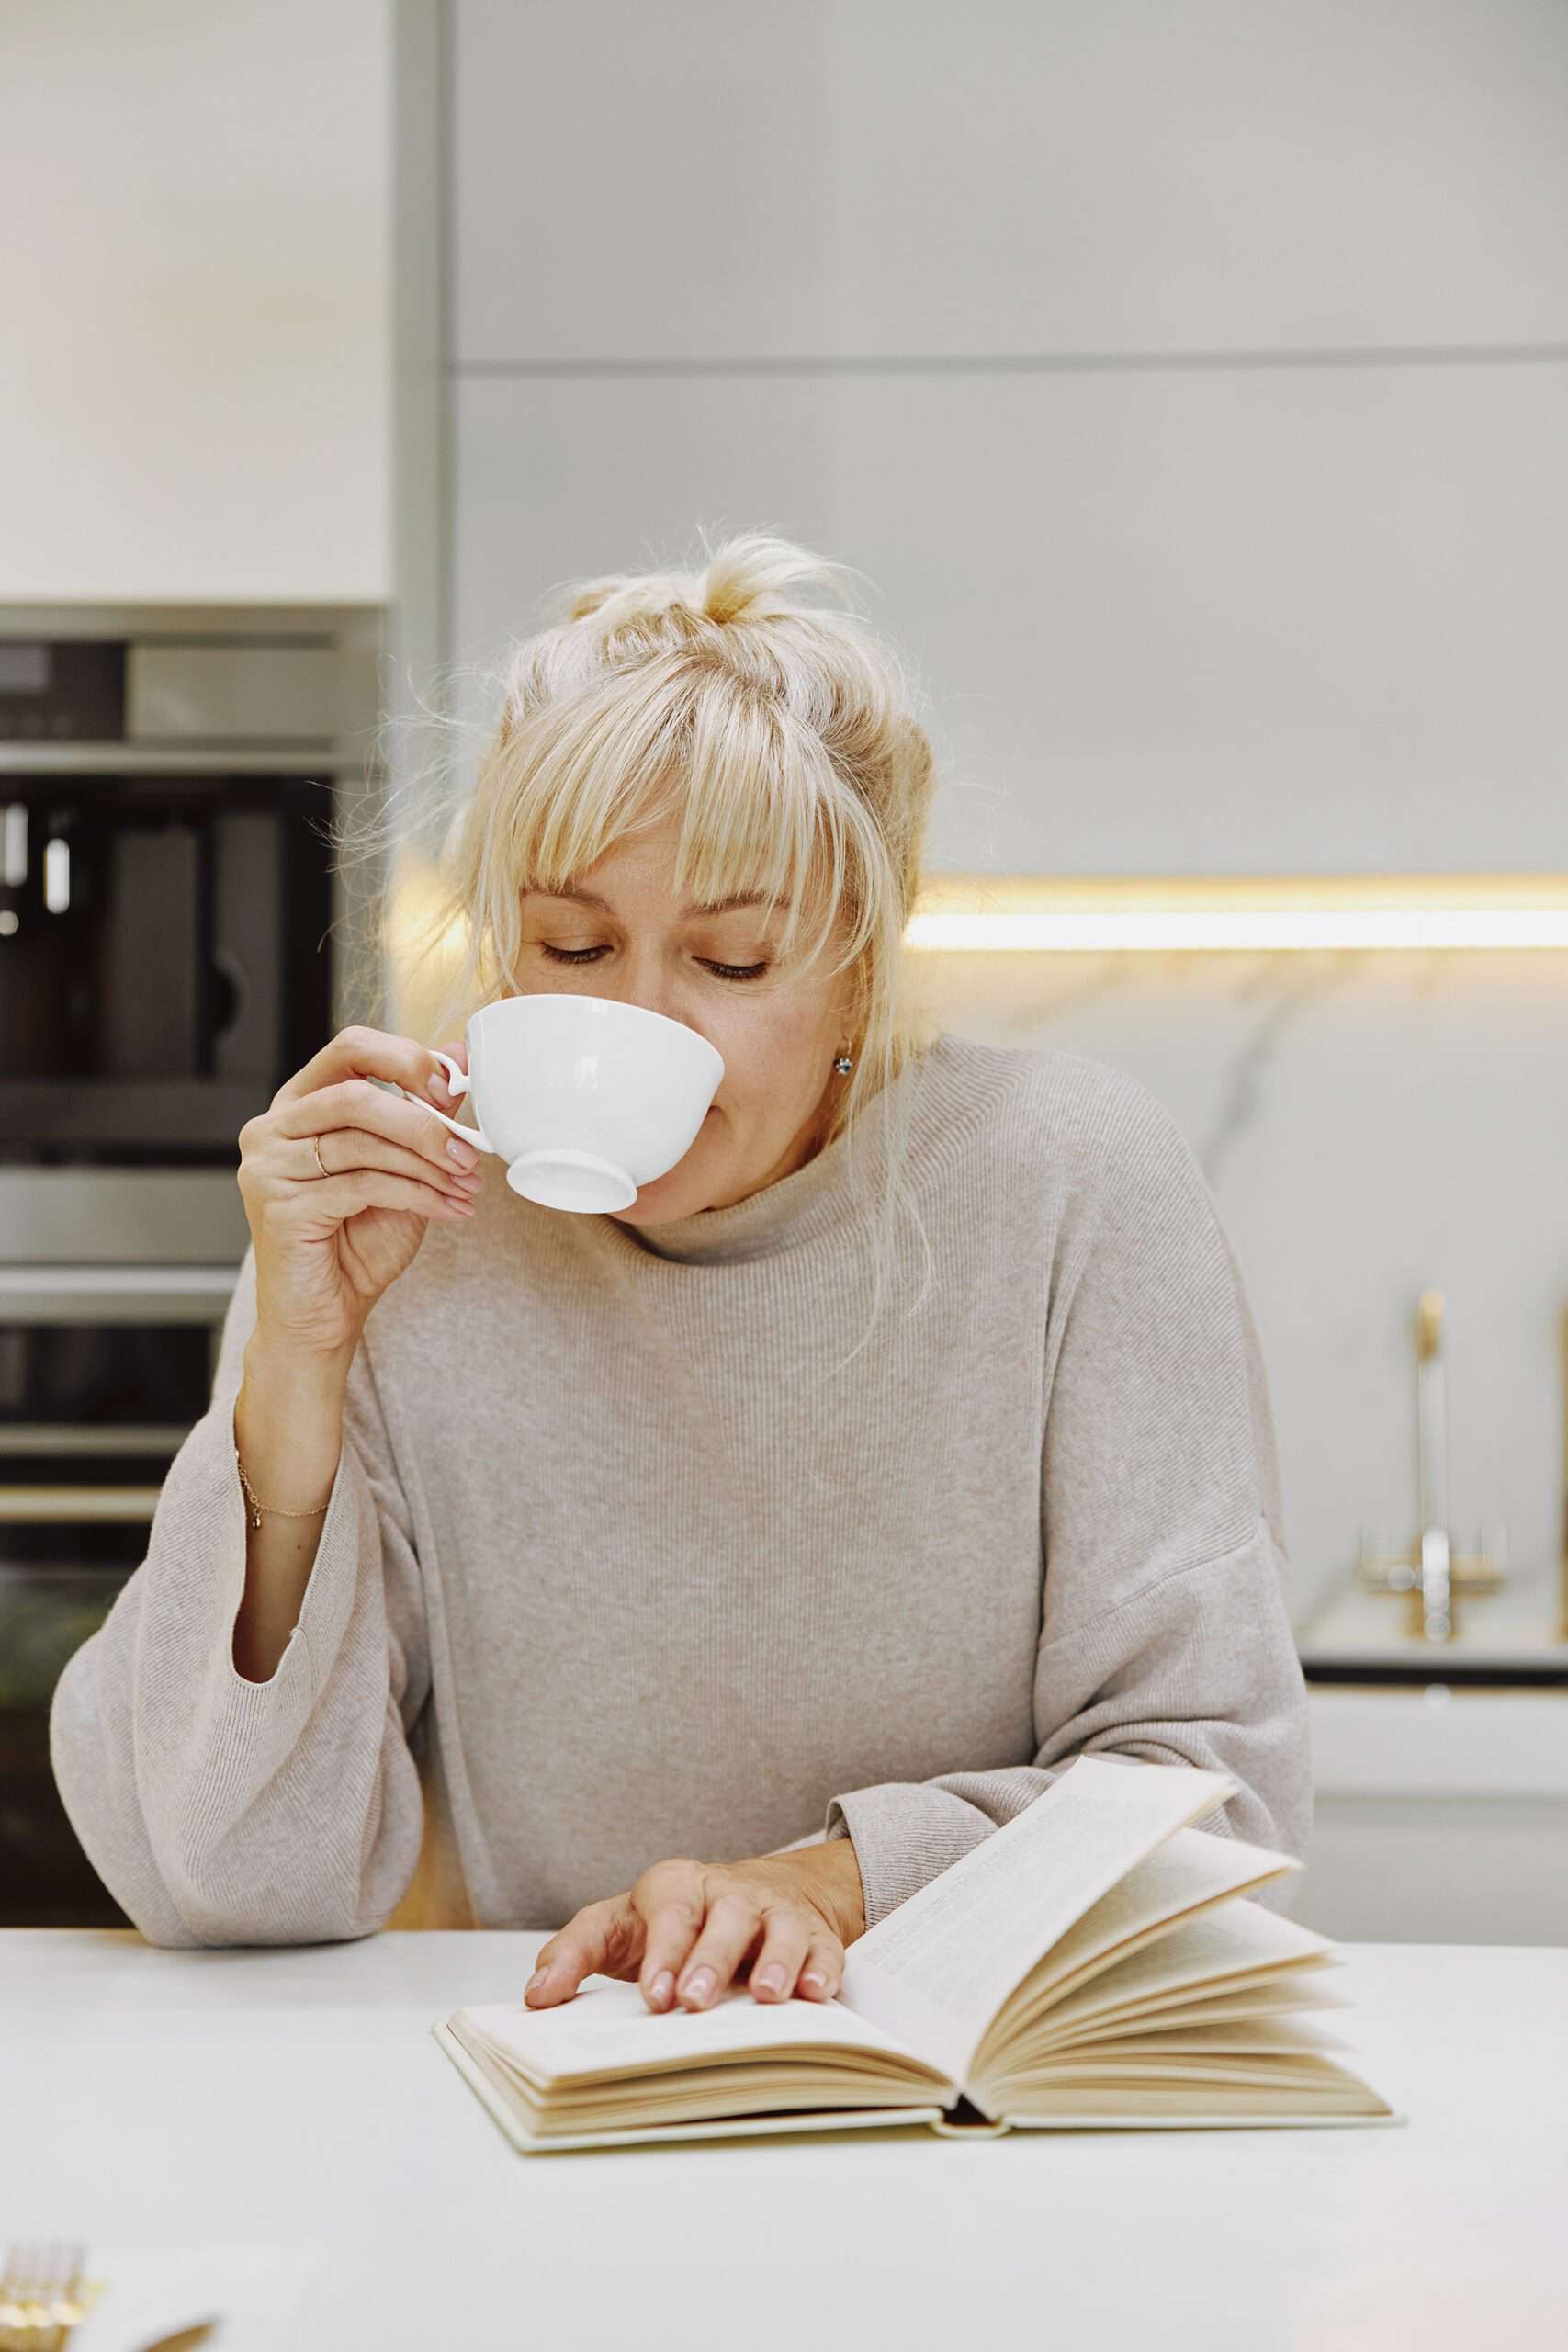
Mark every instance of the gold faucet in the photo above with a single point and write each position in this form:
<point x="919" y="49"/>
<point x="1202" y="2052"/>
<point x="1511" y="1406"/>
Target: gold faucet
<point x="1431" y="1573"/>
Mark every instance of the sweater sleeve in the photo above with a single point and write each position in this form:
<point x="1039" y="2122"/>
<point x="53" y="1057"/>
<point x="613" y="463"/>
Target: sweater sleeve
<point x="221" y="1810"/>
<point x="1165" y="1632"/>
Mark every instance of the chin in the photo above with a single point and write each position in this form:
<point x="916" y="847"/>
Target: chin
<point x="659" y="1200"/>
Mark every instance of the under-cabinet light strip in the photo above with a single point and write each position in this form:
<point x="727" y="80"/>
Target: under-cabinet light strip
<point x="989" y="913"/>
<point x="1078" y="915"/>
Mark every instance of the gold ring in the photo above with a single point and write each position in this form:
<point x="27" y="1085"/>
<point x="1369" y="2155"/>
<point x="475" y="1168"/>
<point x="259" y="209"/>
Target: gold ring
<point x="316" y="1147"/>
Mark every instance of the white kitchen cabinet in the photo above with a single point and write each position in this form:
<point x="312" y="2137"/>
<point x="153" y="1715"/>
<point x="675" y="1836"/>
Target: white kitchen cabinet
<point x="1160" y="632"/>
<point x="1438" y="1818"/>
<point x="195" y="289"/>
<point x="907" y="179"/>
<point x="1186" y="383"/>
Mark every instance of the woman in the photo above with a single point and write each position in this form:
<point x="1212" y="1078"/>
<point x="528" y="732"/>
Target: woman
<point x="723" y="1609"/>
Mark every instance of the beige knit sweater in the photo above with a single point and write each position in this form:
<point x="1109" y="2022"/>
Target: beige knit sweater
<point x="617" y="1564"/>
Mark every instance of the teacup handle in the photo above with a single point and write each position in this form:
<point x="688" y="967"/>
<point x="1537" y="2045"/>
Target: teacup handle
<point x="457" y="1079"/>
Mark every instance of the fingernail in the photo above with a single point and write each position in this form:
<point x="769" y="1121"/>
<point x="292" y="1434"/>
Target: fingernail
<point x="662" y="1986"/>
<point x="770" y="1980"/>
<point x="463" y="1153"/>
<point x="538" y="1978"/>
<point x="816" y="1980"/>
<point x="439" y="1087"/>
<point x="699" y="1986"/>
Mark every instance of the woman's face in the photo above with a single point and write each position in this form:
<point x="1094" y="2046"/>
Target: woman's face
<point x="642" y="946"/>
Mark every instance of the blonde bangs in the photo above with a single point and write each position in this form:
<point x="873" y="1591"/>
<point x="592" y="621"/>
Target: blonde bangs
<point x="761" y="809"/>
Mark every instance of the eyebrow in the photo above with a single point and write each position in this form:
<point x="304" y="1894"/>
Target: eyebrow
<point x="697" y="907"/>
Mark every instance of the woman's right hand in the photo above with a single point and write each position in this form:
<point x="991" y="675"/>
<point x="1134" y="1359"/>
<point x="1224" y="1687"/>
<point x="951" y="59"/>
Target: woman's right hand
<point x="326" y="1247"/>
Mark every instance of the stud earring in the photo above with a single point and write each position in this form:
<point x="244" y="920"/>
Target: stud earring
<point x="843" y="1065"/>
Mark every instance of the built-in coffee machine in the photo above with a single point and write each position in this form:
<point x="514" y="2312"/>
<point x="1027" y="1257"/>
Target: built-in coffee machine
<point x="178" y="933"/>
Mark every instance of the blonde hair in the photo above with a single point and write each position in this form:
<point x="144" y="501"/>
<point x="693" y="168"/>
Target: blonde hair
<point x="783" y="734"/>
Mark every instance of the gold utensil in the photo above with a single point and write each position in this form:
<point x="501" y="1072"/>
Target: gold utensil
<point x="43" y="2296"/>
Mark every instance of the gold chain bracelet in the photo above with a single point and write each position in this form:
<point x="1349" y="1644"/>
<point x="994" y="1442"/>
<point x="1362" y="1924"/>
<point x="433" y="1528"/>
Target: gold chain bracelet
<point x="257" y="1506"/>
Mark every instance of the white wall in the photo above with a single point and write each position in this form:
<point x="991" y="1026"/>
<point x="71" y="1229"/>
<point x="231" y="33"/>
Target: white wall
<point x="1190" y="384"/>
<point x="194" y="271"/>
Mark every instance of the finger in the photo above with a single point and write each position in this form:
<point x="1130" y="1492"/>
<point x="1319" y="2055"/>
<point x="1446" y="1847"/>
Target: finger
<point x="674" y="1909"/>
<point x="343" y="1149"/>
<point x="732" y="1922"/>
<point x="786" y="1942"/>
<point x="358" y="1052"/>
<point x="824" y="1970"/>
<point x="356" y="1102"/>
<point x="337" y="1198"/>
<point x="602" y="1938"/>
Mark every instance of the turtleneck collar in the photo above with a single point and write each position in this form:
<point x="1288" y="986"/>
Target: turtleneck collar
<point x="930" y="1099"/>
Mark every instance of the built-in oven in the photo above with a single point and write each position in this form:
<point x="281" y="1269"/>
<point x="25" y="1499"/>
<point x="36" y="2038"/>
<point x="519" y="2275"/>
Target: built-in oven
<point x="103" y="1371"/>
<point x="167" y="893"/>
<point x="178" y="936"/>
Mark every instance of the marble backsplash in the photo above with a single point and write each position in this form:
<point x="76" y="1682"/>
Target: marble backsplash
<point x="1371" y="1125"/>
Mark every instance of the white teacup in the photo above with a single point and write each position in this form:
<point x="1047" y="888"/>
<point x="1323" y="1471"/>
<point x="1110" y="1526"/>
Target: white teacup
<point x="584" y="1098"/>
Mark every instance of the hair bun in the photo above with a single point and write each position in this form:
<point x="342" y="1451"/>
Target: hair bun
<point x="628" y="596"/>
<point x="746" y="577"/>
<point x="755" y="574"/>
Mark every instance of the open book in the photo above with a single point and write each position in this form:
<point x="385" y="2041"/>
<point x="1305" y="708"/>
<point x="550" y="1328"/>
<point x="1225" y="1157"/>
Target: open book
<point x="1091" y="1962"/>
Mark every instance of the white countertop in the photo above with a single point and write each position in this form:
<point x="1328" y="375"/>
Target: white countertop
<point x="177" y="2099"/>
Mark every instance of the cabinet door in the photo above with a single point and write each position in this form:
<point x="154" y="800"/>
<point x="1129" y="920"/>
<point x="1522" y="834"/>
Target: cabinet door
<point x="1437" y="1869"/>
<point x="195" y="277"/>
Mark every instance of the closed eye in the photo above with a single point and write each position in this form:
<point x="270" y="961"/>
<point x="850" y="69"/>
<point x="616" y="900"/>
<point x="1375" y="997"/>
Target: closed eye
<point x="725" y="971"/>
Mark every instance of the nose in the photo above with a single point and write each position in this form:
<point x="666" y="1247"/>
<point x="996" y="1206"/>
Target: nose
<point x="645" y="981"/>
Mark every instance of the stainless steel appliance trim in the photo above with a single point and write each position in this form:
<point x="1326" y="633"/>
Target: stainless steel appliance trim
<point x="355" y="624"/>
<point x="213" y="692"/>
<point x="55" y="1506"/>
<point x="114" y="1294"/>
<point x="92" y="1437"/>
<point x="218" y="762"/>
<point x="86" y="1218"/>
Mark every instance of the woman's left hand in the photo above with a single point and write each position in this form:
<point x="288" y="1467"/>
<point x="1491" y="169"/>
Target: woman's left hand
<point x="790" y="1914"/>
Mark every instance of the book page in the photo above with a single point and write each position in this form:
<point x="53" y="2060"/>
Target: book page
<point x="496" y="2093"/>
<point x="934" y="1972"/>
<point x="1284" y="2037"/>
<point x="1290" y="1990"/>
<point x="1193" y="1867"/>
<point x="607" y="2028"/>
<point x="1192" y="1871"/>
<point x="1237" y="1943"/>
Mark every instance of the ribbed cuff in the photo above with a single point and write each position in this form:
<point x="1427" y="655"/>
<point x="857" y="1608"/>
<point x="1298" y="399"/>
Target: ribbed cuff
<point x="905" y="1835"/>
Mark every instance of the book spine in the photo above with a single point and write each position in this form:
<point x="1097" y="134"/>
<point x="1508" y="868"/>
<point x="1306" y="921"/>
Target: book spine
<point x="965" y="2121"/>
